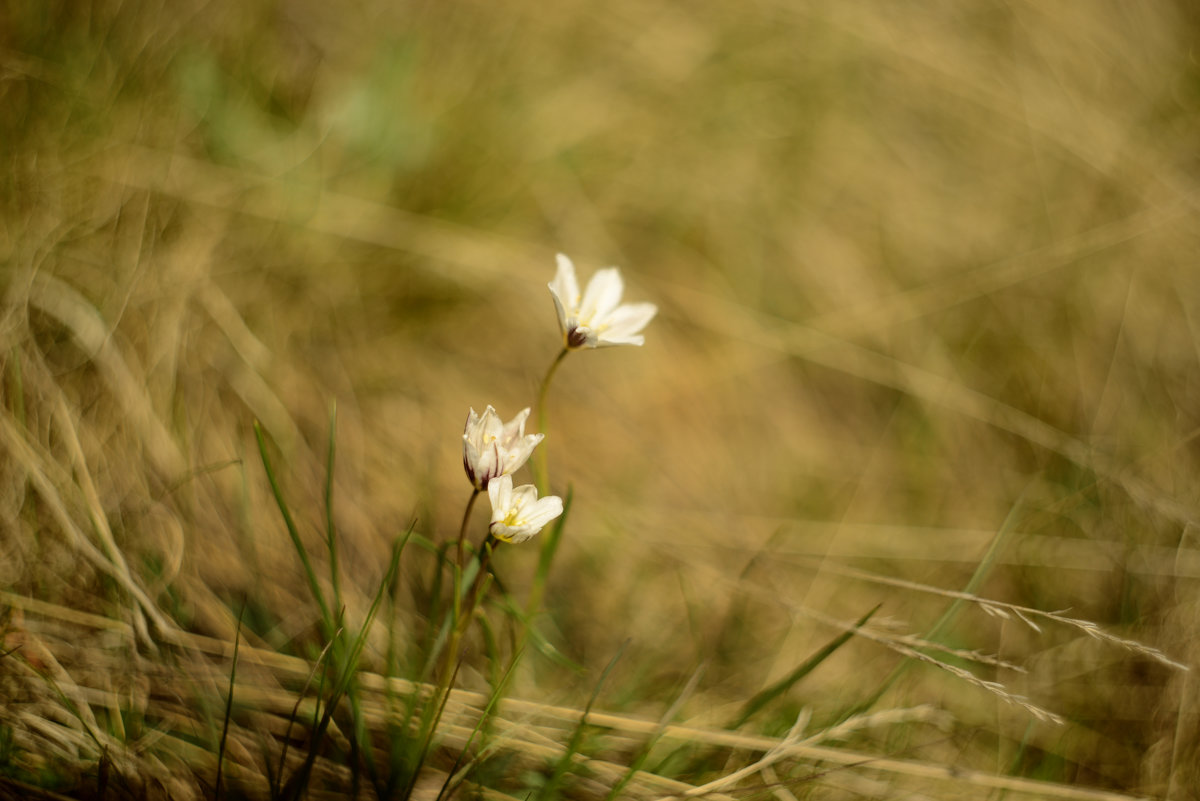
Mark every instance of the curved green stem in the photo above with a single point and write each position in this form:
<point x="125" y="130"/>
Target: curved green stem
<point x="488" y="545"/>
<point x="541" y="472"/>
<point x="462" y="530"/>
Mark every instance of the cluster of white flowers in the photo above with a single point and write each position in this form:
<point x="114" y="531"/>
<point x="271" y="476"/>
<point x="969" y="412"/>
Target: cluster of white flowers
<point x="494" y="450"/>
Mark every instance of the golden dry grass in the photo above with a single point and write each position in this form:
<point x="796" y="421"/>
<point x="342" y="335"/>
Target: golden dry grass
<point x="927" y="285"/>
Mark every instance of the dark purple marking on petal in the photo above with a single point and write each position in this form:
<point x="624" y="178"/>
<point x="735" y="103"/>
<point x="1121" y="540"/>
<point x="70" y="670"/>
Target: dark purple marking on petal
<point x="576" y="338"/>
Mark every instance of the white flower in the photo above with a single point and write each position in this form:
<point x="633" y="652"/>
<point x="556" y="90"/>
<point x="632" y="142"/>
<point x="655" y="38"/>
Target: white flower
<point x="517" y="514"/>
<point x="492" y="448"/>
<point x="597" y="319"/>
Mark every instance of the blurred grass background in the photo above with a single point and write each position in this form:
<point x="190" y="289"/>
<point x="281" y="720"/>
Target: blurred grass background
<point x="920" y="267"/>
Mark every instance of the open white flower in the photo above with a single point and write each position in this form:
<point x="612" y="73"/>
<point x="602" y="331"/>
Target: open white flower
<point x="518" y="514"/>
<point x="492" y="448"/>
<point x="597" y="318"/>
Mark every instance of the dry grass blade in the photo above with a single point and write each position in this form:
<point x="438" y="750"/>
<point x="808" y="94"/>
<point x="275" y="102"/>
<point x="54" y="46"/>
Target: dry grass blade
<point x="999" y="608"/>
<point x="906" y="647"/>
<point x="519" y="722"/>
<point x="474" y="252"/>
<point x="40" y="468"/>
<point x="991" y="660"/>
<point x="65" y="304"/>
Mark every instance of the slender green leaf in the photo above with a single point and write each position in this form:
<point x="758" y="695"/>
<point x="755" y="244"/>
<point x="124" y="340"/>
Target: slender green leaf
<point x="766" y="696"/>
<point x="497" y="693"/>
<point x="237" y="639"/>
<point x="981" y="572"/>
<point x="319" y="666"/>
<point x="330" y="526"/>
<point x="343" y="681"/>
<point x="294" y="533"/>
<point x="643" y="753"/>
<point x="549" y="790"/>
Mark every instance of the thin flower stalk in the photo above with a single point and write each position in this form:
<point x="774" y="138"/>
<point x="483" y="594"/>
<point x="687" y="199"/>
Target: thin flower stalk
<point x="540" y="461"/>
<point x="462" y="529"/>
<point x="517" y="515"/>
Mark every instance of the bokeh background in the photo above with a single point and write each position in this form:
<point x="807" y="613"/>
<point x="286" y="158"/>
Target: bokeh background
<point x="927" y="284"/>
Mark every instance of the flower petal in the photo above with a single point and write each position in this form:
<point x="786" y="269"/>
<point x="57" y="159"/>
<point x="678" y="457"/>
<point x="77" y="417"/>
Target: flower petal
<point x="565" y="291"/>
<point x="500" y="494"/>
<point x="544" y="511"/>
<point x="597" y="319"/>
<point x="611" y="342"/>
<point x="491" y="426"/>
<point x="514" y="429"/>
<point x="626" y="321"/>
<point x="517" y="514"/>
<point x="602" y="296"/>
<point x="492" y="447"/>
<point x="523" y="449"/>
<point x="523" y="496"/>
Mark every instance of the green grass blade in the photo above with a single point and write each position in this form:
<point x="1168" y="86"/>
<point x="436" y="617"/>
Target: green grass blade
<point x="360" y="757"/>
<point x="977" y="577"/>
<point x="294" y="533"/>
<point x="551" y="540"/>
<point x="981" y="571"/>
<point x="493" y="700"/>
<point x="550" y="543"/>
<point x="643" y="753"/>
<point x="447" y="614"/>
<point x="491" y="648"/>
<point x="436" y="632"/>
<point x="529" y="635"/>
<point x="344" y="678"/>
<point x="780" y="687"/>
<point x="429" y="723"/>
<point x="237" y="639"/>
<point x="319" y="665"/>
<point x="386" y="589"/>
<point x="549" y="790"/>
<point x="330" y="527"/>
